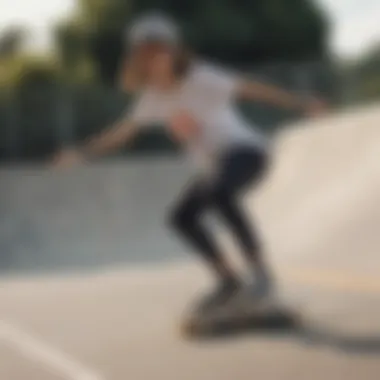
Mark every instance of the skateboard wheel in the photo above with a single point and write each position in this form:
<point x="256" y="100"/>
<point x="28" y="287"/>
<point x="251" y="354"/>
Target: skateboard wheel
<point x="187" y="328"/>
<point x="190" y="328"/>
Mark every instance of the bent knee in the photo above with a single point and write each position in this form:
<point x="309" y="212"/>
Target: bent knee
<point x="223" y="196"/>
<point x="181" y="219"/>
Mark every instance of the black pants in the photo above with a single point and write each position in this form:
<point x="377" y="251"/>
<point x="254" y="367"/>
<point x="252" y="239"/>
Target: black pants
<point x="239" y="168"/>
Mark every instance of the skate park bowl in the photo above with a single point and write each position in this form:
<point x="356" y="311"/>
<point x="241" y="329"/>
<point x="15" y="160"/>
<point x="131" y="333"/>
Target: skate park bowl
<point x="94" y="286"/>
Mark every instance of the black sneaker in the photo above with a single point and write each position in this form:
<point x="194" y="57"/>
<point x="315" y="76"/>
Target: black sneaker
<point x="220" y="296"/>
<point x="263" y="287"/>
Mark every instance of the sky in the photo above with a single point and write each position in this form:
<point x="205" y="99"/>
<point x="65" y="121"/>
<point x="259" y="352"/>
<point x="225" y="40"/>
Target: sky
<point x="356" y="23"/>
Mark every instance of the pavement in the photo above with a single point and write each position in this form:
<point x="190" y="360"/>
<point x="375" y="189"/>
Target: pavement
<point x="319" y="211"/>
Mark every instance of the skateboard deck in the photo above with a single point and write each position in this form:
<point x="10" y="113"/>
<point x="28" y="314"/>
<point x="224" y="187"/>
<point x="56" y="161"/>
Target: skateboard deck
<point x="260" y="316"/>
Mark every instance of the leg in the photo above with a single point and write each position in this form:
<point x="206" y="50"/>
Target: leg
<point x="246" y="233"/>
<point x="238" y="170"/>
<point x="187" y="220"/>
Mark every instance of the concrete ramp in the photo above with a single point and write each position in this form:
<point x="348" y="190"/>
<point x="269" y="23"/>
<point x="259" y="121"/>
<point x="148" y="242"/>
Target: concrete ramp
<point x="322" y="197"/>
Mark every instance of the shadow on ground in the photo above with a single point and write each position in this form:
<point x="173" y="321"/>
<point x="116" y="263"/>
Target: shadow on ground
<point x="306" y="334"/>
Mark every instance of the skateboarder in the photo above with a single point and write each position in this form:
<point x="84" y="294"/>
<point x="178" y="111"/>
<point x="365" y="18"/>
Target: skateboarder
<point x="195" y="100"/>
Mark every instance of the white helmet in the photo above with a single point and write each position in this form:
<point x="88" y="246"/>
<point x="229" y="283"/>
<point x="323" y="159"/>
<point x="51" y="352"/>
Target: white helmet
<point x="153" y="26"/>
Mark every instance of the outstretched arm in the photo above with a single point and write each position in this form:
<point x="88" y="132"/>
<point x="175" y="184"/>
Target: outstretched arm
<point x="108" y="141"/>
<point x="111" y="139"/>
<point x="253" y="90"/>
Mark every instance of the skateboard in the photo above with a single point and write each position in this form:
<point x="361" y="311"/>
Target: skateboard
<point x="264" y="315"/>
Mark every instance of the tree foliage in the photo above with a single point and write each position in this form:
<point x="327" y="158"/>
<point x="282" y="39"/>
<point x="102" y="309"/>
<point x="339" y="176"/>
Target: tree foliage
<point x="363" y="77"/>
<point x="11" y="41"/>
<point x="235" y="31"/>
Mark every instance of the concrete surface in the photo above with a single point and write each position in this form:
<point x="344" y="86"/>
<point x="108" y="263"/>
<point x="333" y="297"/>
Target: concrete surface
<point x="116" y="316"/>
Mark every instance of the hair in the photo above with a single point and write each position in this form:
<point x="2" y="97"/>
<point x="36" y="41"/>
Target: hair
<point x="183" y="60"/>
<point x="132" y="78"/>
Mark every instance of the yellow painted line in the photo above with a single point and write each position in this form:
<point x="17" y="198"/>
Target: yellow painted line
<point x="335" y="280"/>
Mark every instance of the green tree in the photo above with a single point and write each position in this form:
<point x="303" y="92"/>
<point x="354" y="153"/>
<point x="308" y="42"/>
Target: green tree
<point x="11" y="42"/>
<point x="235" y="31"/>
<point x="362" y="78"/>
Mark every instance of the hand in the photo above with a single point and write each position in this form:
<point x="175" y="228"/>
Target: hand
<point x="67" y="158"/>
<point x="316" y="107"/>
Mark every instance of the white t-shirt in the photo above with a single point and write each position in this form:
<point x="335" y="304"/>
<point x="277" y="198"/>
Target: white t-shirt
<point x="208" y="94"/>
